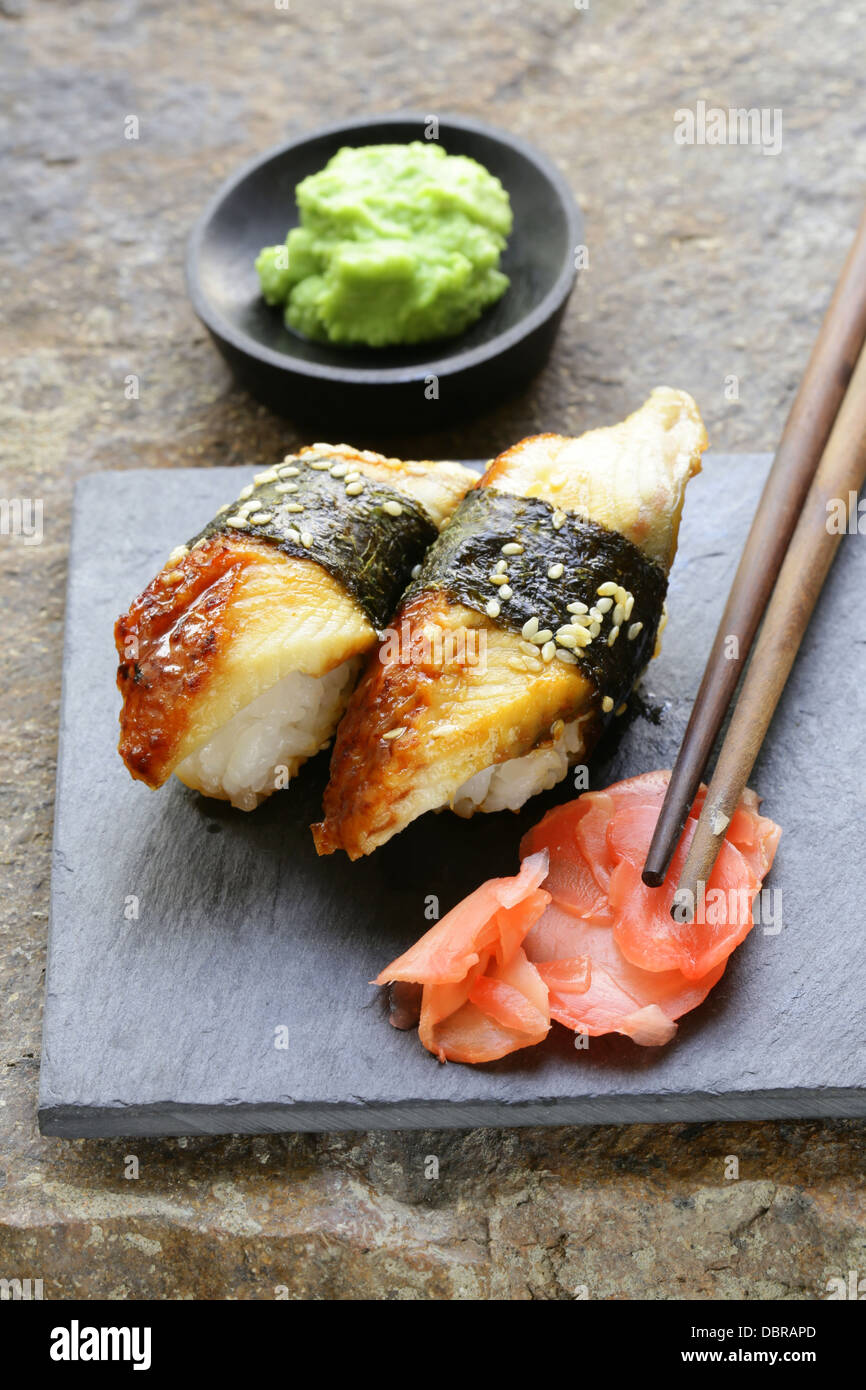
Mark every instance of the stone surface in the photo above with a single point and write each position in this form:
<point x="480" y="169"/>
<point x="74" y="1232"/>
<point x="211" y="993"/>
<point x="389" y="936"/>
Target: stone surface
<point x="705" y="263"/>
<point x="185" y="934"/>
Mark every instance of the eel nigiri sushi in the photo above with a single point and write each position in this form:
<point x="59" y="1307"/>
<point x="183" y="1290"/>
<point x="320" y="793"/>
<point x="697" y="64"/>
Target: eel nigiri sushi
<point x="556" y="565"/>
<point x="237" y="660"/>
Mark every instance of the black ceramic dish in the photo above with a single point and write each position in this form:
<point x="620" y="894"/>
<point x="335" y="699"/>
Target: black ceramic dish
<point x="391" y="388"/>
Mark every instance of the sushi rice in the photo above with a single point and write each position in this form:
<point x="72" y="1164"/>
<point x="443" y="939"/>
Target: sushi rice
<point x="264" y="744"/>
<point x="506" y="786"/>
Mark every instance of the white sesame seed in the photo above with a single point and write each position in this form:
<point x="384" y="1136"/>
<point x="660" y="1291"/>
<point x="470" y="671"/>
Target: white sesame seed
<point x="612" y="635"/>
<point x="582" y="620"/>
<point x="306" y="539"/>
<point x="541" y="637"/>
<point x="237" y="522"/>
<point x="604" y="605"/>
<point x="607" y="704"/>
<point x="548" y="651"/>
<point x="259" y="518"/>
<point x="395" y="733"/>
<point x="285" y="487"/>
<point x="416" y="570"/>
<point x="577" y="608"/>
<point x="559" y="520"/>
<point x="392" y="508"/>
<point x="492" y="608"/>
<point x="566" y="639"/>
<point x="530" y="627"/>
<point x="608" y="589"/>
<point x="512" y="548"/>
<point x="621" y="594"/>
<point x="633" y="631"/>
<point x="294" y="535"/>
<point x="269" y="476"/>
<point x="506" y="593"/>
<point x="629" y="605"/>
<point x="566" y="627"/>
<point x="320" y="465"/>
<point x="353" y="489"/>
<point x="289" y="472"/>
<point x="596" y="614"/>
<point x="568" y="657"/>
<point x="556" y="571"/>
<point x="594" y="629"/>
<point x="618" y="615"/>
<point x="497" y="578"/>
<point x="339" y="470"/>
<point x="177" y="555"/>
<point x="245" y="492"/>
<point x="581" y="637"/>
<point x="353" y="476"/>
<point x="293" y="507"/>
<point x="226" y="506"/>
<point x="500" y="567"/>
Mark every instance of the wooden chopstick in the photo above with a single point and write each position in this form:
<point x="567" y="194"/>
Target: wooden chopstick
<point x="805" y="434"/>
<point x="841" y="474"/>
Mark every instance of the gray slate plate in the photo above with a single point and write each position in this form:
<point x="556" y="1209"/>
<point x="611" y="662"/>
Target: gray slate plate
<point x="165" y="1024"/>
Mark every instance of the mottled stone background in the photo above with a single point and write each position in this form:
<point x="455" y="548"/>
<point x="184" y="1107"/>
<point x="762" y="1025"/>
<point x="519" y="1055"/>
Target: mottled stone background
<point x="704" y="263"/>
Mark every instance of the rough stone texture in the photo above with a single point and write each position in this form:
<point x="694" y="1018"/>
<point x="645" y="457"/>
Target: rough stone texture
<point x="704" y="263"/>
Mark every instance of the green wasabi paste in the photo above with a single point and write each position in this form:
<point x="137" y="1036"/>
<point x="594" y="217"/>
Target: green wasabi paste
<point x="396" y="244"/>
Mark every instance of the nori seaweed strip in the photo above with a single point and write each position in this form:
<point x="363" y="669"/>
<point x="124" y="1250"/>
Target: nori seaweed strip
<point x="470" y="545"/>
<point x="368" y="551"/>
